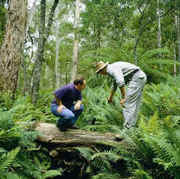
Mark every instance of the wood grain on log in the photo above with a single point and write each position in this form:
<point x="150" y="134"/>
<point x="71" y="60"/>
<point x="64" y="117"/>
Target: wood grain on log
<point x="49" y="133"/>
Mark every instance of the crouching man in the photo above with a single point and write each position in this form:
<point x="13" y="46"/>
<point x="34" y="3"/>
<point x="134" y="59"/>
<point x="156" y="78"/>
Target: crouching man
<point x="67" y="104"/>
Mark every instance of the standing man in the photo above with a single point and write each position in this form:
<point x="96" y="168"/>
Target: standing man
<point x="125" y="73"/>
<point x="67" y="104"/>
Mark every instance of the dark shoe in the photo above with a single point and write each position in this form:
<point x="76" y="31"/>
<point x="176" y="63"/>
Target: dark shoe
<point x="73" y="127"/>
<point x="63" y="129"/>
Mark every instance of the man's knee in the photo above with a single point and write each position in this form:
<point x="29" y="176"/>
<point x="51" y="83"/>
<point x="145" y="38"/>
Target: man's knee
<point x="54" y="110"/>
<point x="70" y="116"/>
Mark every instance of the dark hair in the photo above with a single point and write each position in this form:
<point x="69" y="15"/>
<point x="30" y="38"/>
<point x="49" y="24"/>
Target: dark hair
<point x="79" y="80"/>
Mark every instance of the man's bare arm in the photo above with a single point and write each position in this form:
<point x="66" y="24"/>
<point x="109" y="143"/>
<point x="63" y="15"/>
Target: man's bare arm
<point x="123" y="94"/>
<point x="111" y="96"/>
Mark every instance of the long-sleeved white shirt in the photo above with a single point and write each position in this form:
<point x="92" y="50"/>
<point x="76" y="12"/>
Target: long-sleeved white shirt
<point x="119" y="70"/>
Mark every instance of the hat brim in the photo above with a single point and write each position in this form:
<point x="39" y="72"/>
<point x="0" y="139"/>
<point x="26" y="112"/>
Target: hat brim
<point x="97" y="71"/>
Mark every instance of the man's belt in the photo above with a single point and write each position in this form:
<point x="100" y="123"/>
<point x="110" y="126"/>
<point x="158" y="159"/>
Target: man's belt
<point x="128" y="77"/>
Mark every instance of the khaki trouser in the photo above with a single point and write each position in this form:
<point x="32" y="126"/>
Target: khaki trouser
<point x="133" y="98"/>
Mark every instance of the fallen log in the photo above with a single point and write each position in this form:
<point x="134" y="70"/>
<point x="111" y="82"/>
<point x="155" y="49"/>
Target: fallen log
<point x="49" y="133"/>
<point x="64" y="149"/>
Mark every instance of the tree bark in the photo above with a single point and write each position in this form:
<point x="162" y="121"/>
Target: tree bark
<point x="51" y="135"/>
<point x="43" y="35"/>
<point x="76" y="42"/>
<point x="178" y="34"/>
<point x="159" y="26"/>
<point x="40" y="52"/>
<point x="57" y="62"/>
<point x="63" y="147"/>
<point x="175" y="48"/>
<point x="12" y="48"/>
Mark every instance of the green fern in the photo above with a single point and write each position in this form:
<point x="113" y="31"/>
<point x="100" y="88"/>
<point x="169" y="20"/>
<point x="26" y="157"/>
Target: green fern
<point x="141" y="174"/>
<point x="86" y="152"/>
<point x="106" y="175"/>
<point x="7" y="159"/>
<point x="51" y="173"/>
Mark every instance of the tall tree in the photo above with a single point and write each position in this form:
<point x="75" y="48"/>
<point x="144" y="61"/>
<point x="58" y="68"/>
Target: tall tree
<point x="76" y="41"/>
<point x="43" y="36"/>
<point x="159" y="26"/>
<point x="178" y="31"/>
<point x="12" y="48"/>
<point x="57" y="62"/>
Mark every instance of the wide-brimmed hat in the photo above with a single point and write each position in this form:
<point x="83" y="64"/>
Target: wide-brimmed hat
<point x="100" y="66"/>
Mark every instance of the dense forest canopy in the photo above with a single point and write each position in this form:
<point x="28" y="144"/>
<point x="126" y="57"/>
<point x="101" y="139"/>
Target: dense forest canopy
<point x="45" y="44"/>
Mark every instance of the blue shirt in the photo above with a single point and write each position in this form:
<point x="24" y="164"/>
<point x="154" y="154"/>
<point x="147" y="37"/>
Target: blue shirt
<point x="68" y="94"/>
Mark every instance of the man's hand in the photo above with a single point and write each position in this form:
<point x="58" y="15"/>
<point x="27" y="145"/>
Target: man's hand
<point x="77" y="106"/>
<point x="60" y="108"/>
<point x="122" y="101"/>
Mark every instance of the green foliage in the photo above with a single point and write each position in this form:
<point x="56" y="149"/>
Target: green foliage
<point x="106" y="175"/>
<point x="7" y="160"/>
<point x="141" y="174"/>
<point x="155" y="147"/>
<point x="5" y="102"/>
<point x="163" y="98"/>
<point x="98" y="111"/>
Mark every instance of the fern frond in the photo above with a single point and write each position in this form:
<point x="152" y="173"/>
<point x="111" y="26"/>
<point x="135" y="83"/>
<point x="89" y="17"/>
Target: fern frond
<point x="141" y="174"/>
<point x="8" y="158"/>
<point x="52" y="173"/>
<point x="86" y="152"/>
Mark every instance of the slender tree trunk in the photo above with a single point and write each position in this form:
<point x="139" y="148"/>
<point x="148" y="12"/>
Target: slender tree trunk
<point x="26" y="77"/>
<point x="159" y="26"/>
<point x="178" y="34"/>
<point x="40" y="52"/>
<point x="12" y="48"/>
<point x="30" y="15"/>
<point x="57" y="62"/>
<point x="43" y="35"/>
<point x="76" y="41"/>
<point x="175" y="57"/>
<point x="175" y="47"/>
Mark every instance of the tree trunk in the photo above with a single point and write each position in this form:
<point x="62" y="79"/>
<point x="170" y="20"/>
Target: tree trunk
<point x="57" y="62"/>
<point x="175" y="48"/>
<point x="12" y="48"/>
<point x="159" y="26"/>
<point x="40" y="52"/>
<point x="76" y="41"/>
<point x="43" y="35"/>
<point x="178" y="34"/>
